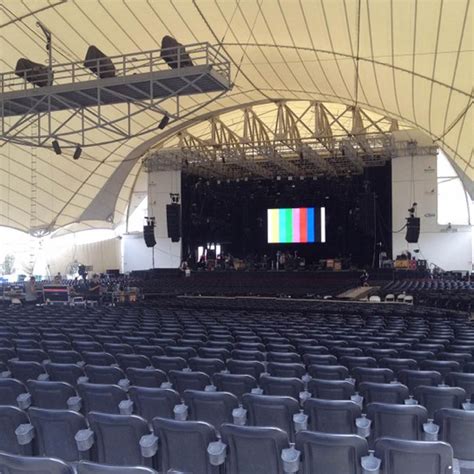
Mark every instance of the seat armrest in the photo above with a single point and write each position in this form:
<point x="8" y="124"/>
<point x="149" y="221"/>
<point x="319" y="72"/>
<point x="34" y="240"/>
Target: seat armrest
<point x="126" y="407"/>
<point x="180" y="412"/>
<point x="74" y="403"/>
<point x="430" y="431"/>
<point x="300" y="421"/>
<point x="240" y="416"/>
<point x="363" y="426"/>
<point x="84" y="439"/>
<point x="370" y="464"/>
<point x="217" y="453"/>
<point x="24" y="400"/>
<point x="291" y="459"/>
<point x="43" y="377"/>
<point x="124" y="384"/>
<point x="148" y="445"/>
<point x="25" y="433"/>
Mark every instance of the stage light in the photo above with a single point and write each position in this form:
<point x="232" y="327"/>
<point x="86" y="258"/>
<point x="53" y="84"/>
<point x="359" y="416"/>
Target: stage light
<point x="56" y="147"/>
<point x="77" y="152"/>
<point x="164" y="122"/>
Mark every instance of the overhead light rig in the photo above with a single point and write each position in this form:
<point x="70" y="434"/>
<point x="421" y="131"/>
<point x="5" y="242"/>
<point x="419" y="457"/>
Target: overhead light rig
<point x="65" y="102"/>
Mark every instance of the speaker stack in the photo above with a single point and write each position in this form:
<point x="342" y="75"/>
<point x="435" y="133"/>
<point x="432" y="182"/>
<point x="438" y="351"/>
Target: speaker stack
<point x="173" y="220"/>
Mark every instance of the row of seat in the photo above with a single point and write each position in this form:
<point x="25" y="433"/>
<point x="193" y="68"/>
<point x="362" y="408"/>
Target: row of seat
<point x="195" y="446"/>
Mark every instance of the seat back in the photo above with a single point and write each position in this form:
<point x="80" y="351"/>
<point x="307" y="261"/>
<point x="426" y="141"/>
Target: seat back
<point x="214" y="408"/>
<point x="100" y="397"/>
<point x="188" y="380"/>
<point x="383" y="392"/>
<point x="103" y="374"/>
<point x="435" y="398"/>
<point x="237" y="384"/>
<point x="253" y="450"/>
<point x="68" y="373"/>
<point x="414" y="378"/>
<point x="456" y="427"/>
<point x="117" y="438"/>
<point x="328" y="372"/>
<point x="397" y="421"/>
<point x="372" y="374"/>
<point x="183" y="445"/>
<point x="463" y="380"/>
<point x="323" y="453"/>
<point x="98" y="358"/>
<point x="206" y="365"/>
<point x="24" y="371"/>
<point x="246" y="367"/>
<point x="154" y="402"/>
<point x="270" y="410"/>
<point x="86" y="467"/>
<point x="331" y="389"/>
<point x="414" y="457"/>
<point x="332" y="416"/>
<point x="55" y="431"/>
<point x="283" y="386"/>
<point x="146" y="377"/>
<point x="11" y="464"/>
<point x="10" y="418"/>
<point x="9" y="391"/>
<point x="167" y="363"/>
<point x="50" y="395"/>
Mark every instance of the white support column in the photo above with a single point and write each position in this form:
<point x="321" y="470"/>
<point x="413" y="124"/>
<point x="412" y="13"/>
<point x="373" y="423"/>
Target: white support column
<point x="160" y="185"/>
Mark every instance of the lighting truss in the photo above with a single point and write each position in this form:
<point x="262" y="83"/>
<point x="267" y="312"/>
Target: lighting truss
<point x="79" y="102"/>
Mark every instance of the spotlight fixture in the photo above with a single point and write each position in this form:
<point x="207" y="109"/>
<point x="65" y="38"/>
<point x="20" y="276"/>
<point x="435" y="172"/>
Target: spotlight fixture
<point x="77" y="152"/>
<point x="164" y="122"/>
<point x="56" y="147"/>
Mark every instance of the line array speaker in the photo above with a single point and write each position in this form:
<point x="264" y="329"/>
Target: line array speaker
<point x="149" y="235"/>
<point x="413" y="230"/>
<point x="173" y="220"/>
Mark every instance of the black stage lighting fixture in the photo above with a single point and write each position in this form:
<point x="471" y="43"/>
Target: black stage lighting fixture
<point x="56" y="147"/>
<point x="164" y="122"/>
<point x="101" y="65"/>
<point x="169" y="52"/>
<point x="34" y="73"/>
<point x="77" y="152"/>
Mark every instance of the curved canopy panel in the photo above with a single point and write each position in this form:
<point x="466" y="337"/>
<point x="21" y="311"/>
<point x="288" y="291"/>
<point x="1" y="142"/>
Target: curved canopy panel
<point x="407" y="61"/>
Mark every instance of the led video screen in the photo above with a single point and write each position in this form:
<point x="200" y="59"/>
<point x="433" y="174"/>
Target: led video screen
<point x="299" y="225"/>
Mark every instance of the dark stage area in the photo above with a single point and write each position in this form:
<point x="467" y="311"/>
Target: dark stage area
<point x="233" y="213"/>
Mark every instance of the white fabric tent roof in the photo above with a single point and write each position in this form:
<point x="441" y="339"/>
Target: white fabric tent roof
<point x="407" y="60"/>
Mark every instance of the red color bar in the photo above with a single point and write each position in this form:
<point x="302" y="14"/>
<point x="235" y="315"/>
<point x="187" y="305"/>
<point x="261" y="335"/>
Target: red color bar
<point x="303" y="225"/>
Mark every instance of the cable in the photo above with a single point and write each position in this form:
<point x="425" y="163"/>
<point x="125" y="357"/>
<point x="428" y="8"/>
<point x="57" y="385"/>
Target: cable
<point x="397" y="231"/>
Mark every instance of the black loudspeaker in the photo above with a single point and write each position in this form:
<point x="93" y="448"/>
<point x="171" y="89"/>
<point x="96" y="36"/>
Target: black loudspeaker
<point x="169" y="52"/>
<point x="149" y="235"/>
<point x="99" y="63"/>
<point x="173" y="220"/>
<point x="35" y="73"/>
<point x="367" y="213"/>
<point x="413" y="230"/>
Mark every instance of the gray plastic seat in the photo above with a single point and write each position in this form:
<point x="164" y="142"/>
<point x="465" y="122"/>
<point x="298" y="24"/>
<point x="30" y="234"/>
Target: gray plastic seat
<point x="270" y="410"/>
<point x="50" y="395"/>
<point x="151" y="402"/>
<point x="146" y="377"/>
<point x="206" y="365"/>
<point x="242" y="354"/>
<point x="463" y="380"/>
<point x="254" y="449"/>
<point x="85" y="467"/>
<point x="396" y="364"/>
<point x="414" y="378"/>
<point x="117" y="439"/>
<point x="98" y="358"/>
<point x="55" y="432"/>
<point x="188" y="380"/>
<point x="414" y="457"/>
<point x="396" y="421"/>
<point x="435" y="398"/>
<point x="383" y="392"/>
<point x="11" y="418"/>
<point x="214" y="353"/>
<point x="167" y="363"/>
<point x="32" y="355"/>
<point x="283" y="386"/>
<point x="331" y="389"/>
<point x="332" y="416"/>
<point x="101" y="398"/>
<point x="324" y="453"/>
<point x="237" y="384"/>
<point x="193" y="436"/>
<point x="10" y="389"/>
<point x="127" y="361"/>
<point x="24" y="371"/>
<point x="214" y="408"/>
<point x="69" y="373"/>
<point x="353" y="362"/>
<point x="319" y="359"/>
<point x="103" y="374"/>
<point x="286" y="369"/>
<point x="444" y="367"/>
<point x="11" y="464"/>
<point x="328" y="372"/>
<point x="148" y="350"/>
<point x="186" y="352"/>
<point x="286" y="357"/>
<point x="246" y="367"/>
<point x="456" y="427"/>
<point x="372" y="374"/>
<point x="87" y="346"/>
<point x="115" y="348"/>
